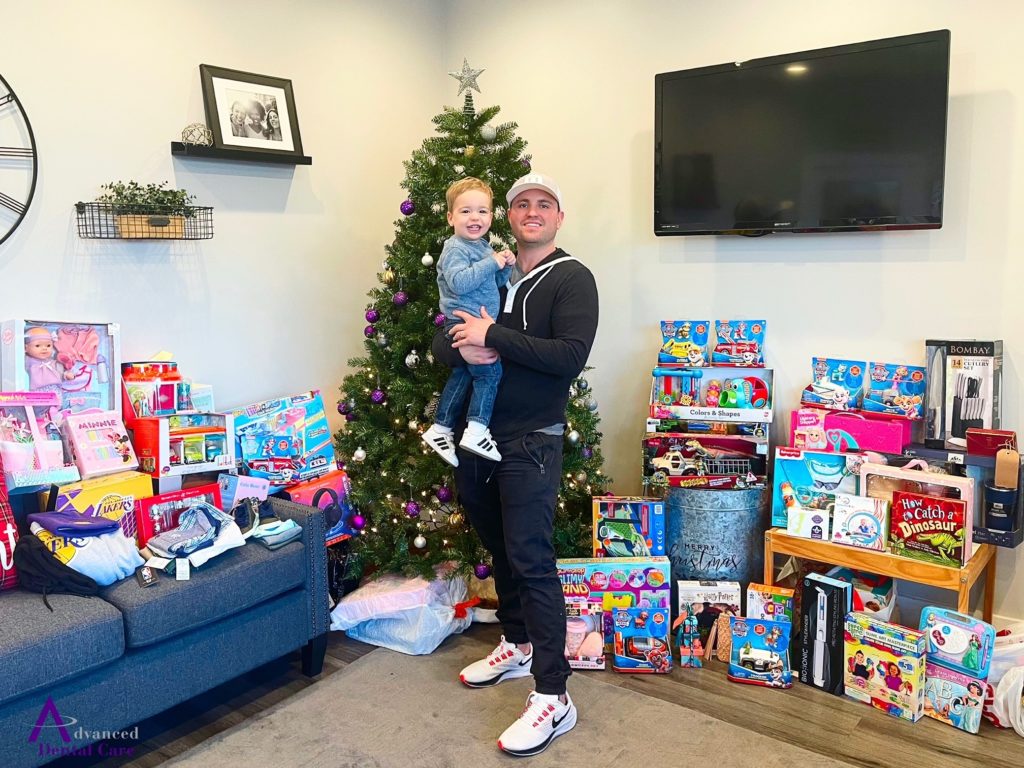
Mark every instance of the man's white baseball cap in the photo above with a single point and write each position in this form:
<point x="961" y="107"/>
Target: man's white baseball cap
<point x="535" y="181"/>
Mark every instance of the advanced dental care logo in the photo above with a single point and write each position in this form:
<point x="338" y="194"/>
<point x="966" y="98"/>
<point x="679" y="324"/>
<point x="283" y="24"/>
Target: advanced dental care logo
<point x="51" y="725"/>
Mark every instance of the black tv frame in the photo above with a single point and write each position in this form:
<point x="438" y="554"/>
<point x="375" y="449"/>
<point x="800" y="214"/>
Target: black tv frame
<point x="941" y="36"/>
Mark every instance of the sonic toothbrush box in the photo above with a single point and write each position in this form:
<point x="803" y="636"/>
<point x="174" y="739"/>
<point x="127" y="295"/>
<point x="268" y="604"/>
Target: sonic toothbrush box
<point x="640" y="642"/>
<point x="817" y="429"/>
<point x="957" y="641"/>
<point x="815" y="476"/>
<point x="617" y="582"/>
<point x="953" y="698"/>
<point x="824" y="606"/>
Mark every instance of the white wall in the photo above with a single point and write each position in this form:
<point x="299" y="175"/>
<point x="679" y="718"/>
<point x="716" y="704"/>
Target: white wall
<point x="578" y="77"/>
<point x="274" y="302"/>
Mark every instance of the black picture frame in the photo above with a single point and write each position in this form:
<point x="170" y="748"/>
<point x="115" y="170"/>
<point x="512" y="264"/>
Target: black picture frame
<point x="226" y="90"/>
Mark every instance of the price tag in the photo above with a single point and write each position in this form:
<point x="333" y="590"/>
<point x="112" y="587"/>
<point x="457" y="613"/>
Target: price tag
<point x="954" y="458"/>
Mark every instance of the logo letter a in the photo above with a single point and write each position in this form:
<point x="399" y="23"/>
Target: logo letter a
<point x="49" y="708"/>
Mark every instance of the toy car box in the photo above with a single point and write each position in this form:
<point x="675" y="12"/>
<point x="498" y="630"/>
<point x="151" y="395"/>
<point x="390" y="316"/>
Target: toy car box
<point x="684" y="342"/>
<point x="895" y="389"/>
<point x="627" y="526"/>
<point x="884" y="666"/>
<point x="617" y="582"/>
<point x="640" y="642"/>
<point x="704" y="460"/>
<point x="285" y="440"/>
<point x="760" y="652"/>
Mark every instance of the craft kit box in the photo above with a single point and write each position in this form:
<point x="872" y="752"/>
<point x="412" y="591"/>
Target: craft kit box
<point x="817" y="429"/>
<point x="640" y="641"/>
<point x="713" y="394"/>
<point x="815" y="478"/>
<point x="704" y="461"/>
<point x="584" y="635"/>
<point x="30" y="443"/>
<point x="760" y="652"/>
<point x="964" y="389"/>
<point x="78" y="361"/>
<point x="111" y="496"/>
<point x="285" y="440"/>
<point x="170" y="446"/>
<point x="823" y="609"/>
<point x="769" y="602"/>
<point x="617" y="582"/>
<point x="627" y="526"/>
<point x="860" y="521"/>
<point x="885" y="666"/>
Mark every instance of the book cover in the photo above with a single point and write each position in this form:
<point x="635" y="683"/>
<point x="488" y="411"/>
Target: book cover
<point x="928" y="528"/>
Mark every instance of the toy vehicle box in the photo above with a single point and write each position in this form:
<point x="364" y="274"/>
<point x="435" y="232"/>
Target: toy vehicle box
<point x="953" y="698"/>
<point x="760" y="652"/>
<point x="622" y="582"/>
<point x="584" y="635"/>
<point x="99" y="443"/>
<point x="627" y="526"/>
<point x="739" y="343"/>
<point x="684" y="342"/>
<point x="884" y="666"/>
<point x="285" y="440"/>
<point x="170" y="446"/>
<point x="79" y="361"/>
<point x="156" y="514"/>
<point x="835" y="384"/>
<point x="712" y="394"/>
<point x="815" y="476"/>
<point x="895" y="390"/>
<point x="30" y="442"/>
<point x="769" y="602"/>
<point x="640" y="641"/>
<point x="111" y="496"/>
<point x="704" y="461"/>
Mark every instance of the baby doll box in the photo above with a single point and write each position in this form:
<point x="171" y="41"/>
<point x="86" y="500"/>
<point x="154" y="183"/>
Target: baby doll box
<point x="880" y="481"/>
<point x="79" y="361"/>
<point x="957" y="641"/>
<point x="841" y="431"/>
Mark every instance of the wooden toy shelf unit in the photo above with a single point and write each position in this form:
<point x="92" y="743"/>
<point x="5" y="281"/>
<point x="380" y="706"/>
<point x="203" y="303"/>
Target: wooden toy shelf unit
<point x="959" y="580"/>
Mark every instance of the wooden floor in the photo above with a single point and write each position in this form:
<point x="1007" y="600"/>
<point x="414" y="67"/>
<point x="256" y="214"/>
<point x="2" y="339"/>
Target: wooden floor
<point x="828" y="725"/>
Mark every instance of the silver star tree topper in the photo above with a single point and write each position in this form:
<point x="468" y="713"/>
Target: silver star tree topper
<point x="467" y="77"/>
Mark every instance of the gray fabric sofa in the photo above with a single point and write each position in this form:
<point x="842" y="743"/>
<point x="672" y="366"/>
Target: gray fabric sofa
<point x="110" y="661"/>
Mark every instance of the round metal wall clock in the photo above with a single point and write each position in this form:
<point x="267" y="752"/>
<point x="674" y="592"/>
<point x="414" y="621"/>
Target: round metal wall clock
<point x="18" y="162"/>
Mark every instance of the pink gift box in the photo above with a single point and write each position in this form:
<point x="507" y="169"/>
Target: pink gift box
<point x="842" y="431"/>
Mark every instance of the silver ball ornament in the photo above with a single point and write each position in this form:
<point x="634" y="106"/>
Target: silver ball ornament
<point x="359" y="455"/>
<point x="382" y="339"/>
<point x="488" y="133"/>
<point x="419" y="542"/>
<point x="412" y="359"/>
<point x="414" y="425"/>
<point x="427" y="260"/>
<point x="581" y="477"/>
<point x="583" y="385"/>
<point x="592" y="406"/>
<point x="573" y="437"/>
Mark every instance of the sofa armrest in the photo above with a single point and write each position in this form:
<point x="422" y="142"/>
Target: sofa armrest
<point x="314" y="537"/>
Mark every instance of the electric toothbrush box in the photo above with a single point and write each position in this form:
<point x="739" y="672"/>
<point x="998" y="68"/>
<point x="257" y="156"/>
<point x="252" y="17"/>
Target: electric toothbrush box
<point x="841" y="431"/>
<point x="815" y="477"/>
<point x="823" y="609"/>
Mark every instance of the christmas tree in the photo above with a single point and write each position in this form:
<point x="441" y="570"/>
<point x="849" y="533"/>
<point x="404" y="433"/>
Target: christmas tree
<point x="407" y="516"/>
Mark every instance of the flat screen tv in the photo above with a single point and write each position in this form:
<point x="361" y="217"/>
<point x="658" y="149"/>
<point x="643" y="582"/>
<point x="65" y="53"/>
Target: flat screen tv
<point x="832" y="140"/>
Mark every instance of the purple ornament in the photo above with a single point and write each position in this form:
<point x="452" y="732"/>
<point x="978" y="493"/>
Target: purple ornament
<point x="378" y="396"/>
<point x="401" y="299"/>
<point x="369" y="331"/>
<point x="344" y="408"/>
<point x="350" y="416"/>
<point x="482" y="570"/>
<point x="588" y="452"/>
<point x="439" y="319"/>
<point x="372" y="315"/>
<point x="407" y="208"/>
<point x="412" y="509"/>
<point x="525" y="163"/>
<point x="444" y="494"/>
<point x="358" y="522"/>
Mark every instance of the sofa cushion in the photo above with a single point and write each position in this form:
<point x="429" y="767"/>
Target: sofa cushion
<point x="230" y="583"/>
<point x="39" y="648"/>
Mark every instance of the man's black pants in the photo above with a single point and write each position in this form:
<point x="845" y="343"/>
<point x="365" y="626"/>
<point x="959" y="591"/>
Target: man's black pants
<point x="511" y="504"/>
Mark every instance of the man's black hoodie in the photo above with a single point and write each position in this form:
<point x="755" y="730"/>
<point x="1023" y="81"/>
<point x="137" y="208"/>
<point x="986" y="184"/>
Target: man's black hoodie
<point x="544" y="334"/>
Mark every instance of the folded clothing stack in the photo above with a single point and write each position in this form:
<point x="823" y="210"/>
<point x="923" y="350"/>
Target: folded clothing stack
<point x="203" y="532"/>
<point x="93" y="546"/>
<point x="274" y="533"/>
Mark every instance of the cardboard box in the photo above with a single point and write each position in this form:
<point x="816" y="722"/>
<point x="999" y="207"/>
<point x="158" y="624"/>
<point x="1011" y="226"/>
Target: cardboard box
<point x="184" y="444"/>
<point x="769" y="602"/>
<point x="824" y="606"/>
<point x="885" y="666"/>
<point x="30" y="442"/>
<point x="815" y="476"/>
<point x="330" y="493"/>
<point x="641" y="640"/>
<point x="156" y="514"/>
<point x="627" y="526"/>
<point x="99" y="443"/>
<point x="964" y="390"/>
<point x="584" y="635"/>
<point x="111" y="496"/>
<point x="860" y="521"/>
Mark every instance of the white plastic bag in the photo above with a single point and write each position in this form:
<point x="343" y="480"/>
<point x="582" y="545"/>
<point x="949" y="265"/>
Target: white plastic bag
<point x="1007" y="653"/>
<point x="405" y="614"/>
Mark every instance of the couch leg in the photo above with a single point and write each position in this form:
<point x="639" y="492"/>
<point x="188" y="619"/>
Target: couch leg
<point x="313" y="654"/>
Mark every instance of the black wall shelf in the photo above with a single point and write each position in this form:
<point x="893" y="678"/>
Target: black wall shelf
<point x="245" y="155"/>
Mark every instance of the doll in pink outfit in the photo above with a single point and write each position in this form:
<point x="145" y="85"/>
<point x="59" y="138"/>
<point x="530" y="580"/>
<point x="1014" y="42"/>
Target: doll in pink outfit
<point x="44" y="372"/>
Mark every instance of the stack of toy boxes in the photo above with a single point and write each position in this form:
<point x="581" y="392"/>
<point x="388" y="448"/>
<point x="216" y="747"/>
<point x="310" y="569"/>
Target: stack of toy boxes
<point x="710" y="406"/>
<point x="959" y="655"/>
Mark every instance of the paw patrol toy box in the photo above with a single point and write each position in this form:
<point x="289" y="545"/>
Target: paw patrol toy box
<point x="641" y="640"/>
<point x="617" y="582"/>
<point x="684" y="342"/>
<point x="285" y="440"/>
<point x="628" y="527"/>
<point x="760" y="652"/>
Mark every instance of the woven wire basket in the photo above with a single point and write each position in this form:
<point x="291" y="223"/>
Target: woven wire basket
<point x="109" y="222"/>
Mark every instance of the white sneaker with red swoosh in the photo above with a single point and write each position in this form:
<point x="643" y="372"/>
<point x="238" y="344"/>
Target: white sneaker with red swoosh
<point x="505" y="662"/>
<point x="544" y="719"/>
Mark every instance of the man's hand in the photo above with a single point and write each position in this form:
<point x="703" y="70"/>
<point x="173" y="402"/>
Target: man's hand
<point x="479" y="355"/>
<point x="472" y="331"/>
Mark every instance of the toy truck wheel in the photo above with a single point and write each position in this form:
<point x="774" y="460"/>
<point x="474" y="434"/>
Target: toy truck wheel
<point x="747" y="663"/>
<point x="660" y="476"/>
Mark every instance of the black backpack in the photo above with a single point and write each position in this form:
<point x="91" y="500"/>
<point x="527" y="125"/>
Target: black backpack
<point x="39" y="570"/>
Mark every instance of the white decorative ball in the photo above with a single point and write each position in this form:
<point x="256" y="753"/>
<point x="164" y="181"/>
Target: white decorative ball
<point x="573" y="437"/>
<point x="412" y="359"/>
<point x="427" y="260"/>
<point x="359" y="455"/>
<point x="414" y="425"/>
<point x="419" y="542"/>
<point x="437" y="207"/>
<point x="488" y="133"/>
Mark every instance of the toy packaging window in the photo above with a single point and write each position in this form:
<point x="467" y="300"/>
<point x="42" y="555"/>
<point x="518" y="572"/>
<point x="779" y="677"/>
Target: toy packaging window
<point x="684" y="342"/>
<point x="703" y="461"/>
<point x="836" y="384"/>
<point x="895" y="389"/>
<point x="760" y="652"/>
<point x="31" y="447"/>
<point x="78" y="361"/>
<point x="584" y="635"/>
<point x="739" y="343"/>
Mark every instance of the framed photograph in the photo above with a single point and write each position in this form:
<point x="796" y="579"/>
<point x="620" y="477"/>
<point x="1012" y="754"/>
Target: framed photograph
<point x="250" y="112"/>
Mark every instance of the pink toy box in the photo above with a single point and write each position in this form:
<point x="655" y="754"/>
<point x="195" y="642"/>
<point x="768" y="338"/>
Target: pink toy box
<point x="841" y="432"/>
<point x="30" y="443"/>
<point x="100" y="443"/>
<point x="77" y="361"/>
